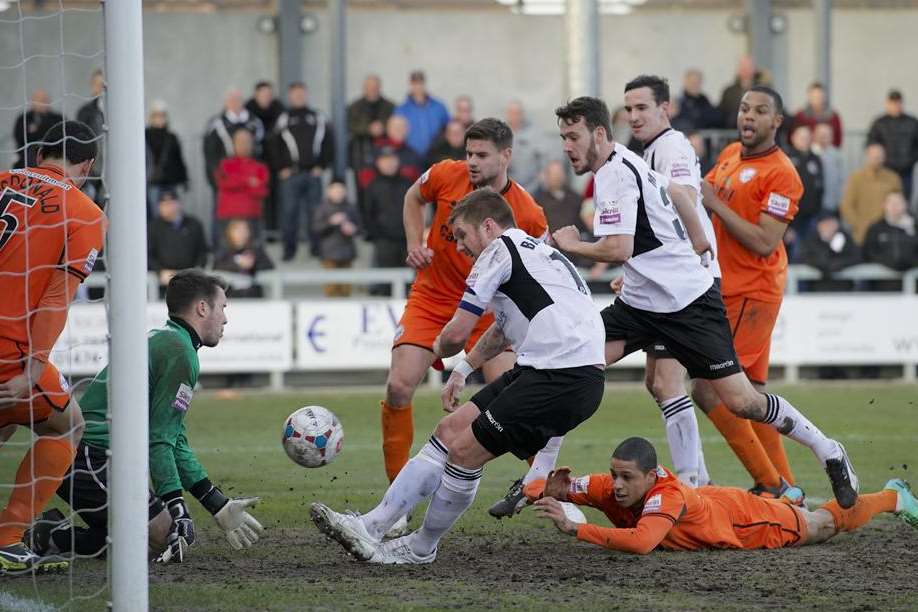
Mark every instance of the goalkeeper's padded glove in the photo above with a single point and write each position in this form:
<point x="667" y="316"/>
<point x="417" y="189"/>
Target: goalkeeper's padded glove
<point x="181" y="536"/>
<point x="242" y="529"/>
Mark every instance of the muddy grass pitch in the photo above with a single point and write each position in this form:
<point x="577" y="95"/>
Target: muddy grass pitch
<point x="519" y="563"/>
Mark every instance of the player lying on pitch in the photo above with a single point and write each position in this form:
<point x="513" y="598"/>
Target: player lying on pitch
<point x="651" y="508"/>
<point x="196" y="303"/>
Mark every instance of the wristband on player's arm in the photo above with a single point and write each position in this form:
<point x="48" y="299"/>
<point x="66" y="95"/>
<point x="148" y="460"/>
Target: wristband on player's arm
<point x="210" y="495"/>
<point x="463" y="368"/>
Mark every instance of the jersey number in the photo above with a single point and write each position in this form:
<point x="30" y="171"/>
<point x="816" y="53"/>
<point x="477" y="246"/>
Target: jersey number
<point x="556" y="256"/>
<point x="10" y="221"/>
<point x="680" y="231"/>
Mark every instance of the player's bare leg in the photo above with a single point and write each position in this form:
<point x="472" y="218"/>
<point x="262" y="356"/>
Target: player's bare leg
<point x="896" y="497"/>
<point x="741" y="398"/>
<point x="38" y="476"/>
<point x="408" y="367"/>
<point x="740" y="435"/>
<point x="665" y="380"/>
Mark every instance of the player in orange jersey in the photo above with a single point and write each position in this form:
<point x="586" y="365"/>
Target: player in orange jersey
<point x="52" y="234"/>
<point x="753" y="192"/>
<point x="651" y="508"/>
<point x="442" y="271"/>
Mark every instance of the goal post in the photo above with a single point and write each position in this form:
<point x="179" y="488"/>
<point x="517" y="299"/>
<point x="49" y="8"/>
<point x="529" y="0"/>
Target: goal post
<point x="127" y="267"/>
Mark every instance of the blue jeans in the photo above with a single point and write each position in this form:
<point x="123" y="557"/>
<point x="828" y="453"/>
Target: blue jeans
<point x="300" y="196"/>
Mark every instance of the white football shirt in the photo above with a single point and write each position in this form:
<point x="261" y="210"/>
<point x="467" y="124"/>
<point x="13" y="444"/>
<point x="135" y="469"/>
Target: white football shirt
<point x="672" y="155"/>
<point x="663" y="273"/>
<point x="540" y="302"/>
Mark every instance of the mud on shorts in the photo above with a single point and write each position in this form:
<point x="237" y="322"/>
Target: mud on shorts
<point x="525" y="407"/>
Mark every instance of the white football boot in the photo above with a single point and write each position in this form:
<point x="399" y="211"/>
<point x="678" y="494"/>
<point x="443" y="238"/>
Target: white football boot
<point x="346" y="529"/>
<point x="399" y="552"/>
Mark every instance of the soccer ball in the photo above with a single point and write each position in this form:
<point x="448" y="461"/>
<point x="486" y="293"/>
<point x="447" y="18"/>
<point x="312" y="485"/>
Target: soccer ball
<point x="312" y="436"/>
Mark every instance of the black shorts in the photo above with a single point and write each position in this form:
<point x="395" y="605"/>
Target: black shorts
<point x="698" y="336"/>
<point x="85" y="487"/>
<point x="657" y="348"/>
<point x="525" y="407"/>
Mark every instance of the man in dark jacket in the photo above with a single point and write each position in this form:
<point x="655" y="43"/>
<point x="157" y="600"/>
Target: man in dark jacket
<point x="897" y="131"/>
<point x="828" y="249"/>
<point x="93" y="114"/>
<point x="30" y="128"/>
<point x="299" y="151"/>
<point x="166" y="169"/>
<point x="175" y="240"/>
<point x="746" y="77"/>
<point x="385" y="199"/>
<point x="560" y="203"/>
<point x="366" y="120"/>
<point x="264" y="105"/>
<point x="809" y="167"/>
<point x="694" y="107"/>
<point x="450" y="144"/>
<point x="892" y="241"/>
<point x="218" y="137"/>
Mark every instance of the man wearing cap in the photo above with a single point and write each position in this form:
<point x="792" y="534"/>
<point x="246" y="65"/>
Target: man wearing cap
<point x="897" y="131"/>
<point x="426" y="115"/>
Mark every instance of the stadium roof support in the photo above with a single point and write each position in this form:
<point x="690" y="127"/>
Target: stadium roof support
<point x="582" y="41"/>
<point x="289" y="42"/>
<point x="823" y="18"/>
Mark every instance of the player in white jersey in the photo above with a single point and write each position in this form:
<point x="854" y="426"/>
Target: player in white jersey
<point x="543" y="310"/>
<point x="667" y="294"/>
<point x="668" y="152"/>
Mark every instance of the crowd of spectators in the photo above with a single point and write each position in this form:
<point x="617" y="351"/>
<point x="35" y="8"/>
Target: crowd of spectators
<point x="269" y="164"/>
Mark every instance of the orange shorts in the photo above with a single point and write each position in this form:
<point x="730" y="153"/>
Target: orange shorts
<point x="423" y="320"/>
<point x="50" y="392"/>
<point x="759" y="522"/>
<point x="752" y="323"/>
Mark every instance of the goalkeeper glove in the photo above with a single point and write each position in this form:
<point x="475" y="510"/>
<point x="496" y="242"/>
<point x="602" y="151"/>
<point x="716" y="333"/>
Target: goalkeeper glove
<point x="241" y="528"/>
<point x="181" y="536"/>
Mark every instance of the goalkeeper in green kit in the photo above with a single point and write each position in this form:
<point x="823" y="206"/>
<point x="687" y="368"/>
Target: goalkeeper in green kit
<point x="196" y="303"/>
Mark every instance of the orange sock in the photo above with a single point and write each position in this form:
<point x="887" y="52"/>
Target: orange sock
<point x="51" y="458"/>
<point x="866" y="507"/>
<point x="742" y="439"/>
<point x="773" y="444"/>
<point x="398" y="434"/>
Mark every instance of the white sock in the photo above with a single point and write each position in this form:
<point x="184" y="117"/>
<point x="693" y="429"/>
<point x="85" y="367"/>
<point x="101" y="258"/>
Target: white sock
<point x="781" y="415"/>
<point x="544" y="461"/>
<point x="418" y="480"/>
<point x="456" y="493"/>
<point x="682" y="435"/>
<point x="704" y="478"/>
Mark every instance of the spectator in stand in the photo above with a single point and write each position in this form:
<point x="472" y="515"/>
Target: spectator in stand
<point x="218" y="137"/>
<point x="242" y="186"/>
<point x="335" y="223"/>
<point x="865" y="192"/>
<point x="464" y="111"/>
<point x="93" y="114"/>
<point x="747" y="76"/>
<point x="175" y="240"/>
<point x="695" y="110"/>
<point x="265" y="105"/>
<point x="809" y="167"/>
<point x="410" y="165"/>
<point x="383" y="226"/>
<point x="451" y="145"/>
<point x="560" y="203"/>
<point x="621" y="130"/>
<point x="529" y="147"/>
<point x="426" y="115"/>
<point x="897" y="131"/>
<point x="701" y="150"/>
<point x="366" y="121"/>
<point x="817" y="111"/>
<point x="892" y="240"/>
<point x="301" y="148"/>
<point x="166" y="169"/>
<point x="829" y="249"/>
<point x="31" y="126"/>
<point x="833" y="166"/>
<point x="242" y="255"/>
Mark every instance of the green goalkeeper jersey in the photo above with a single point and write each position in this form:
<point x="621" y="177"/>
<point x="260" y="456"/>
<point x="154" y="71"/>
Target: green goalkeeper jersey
<point x="174" y="371"/>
